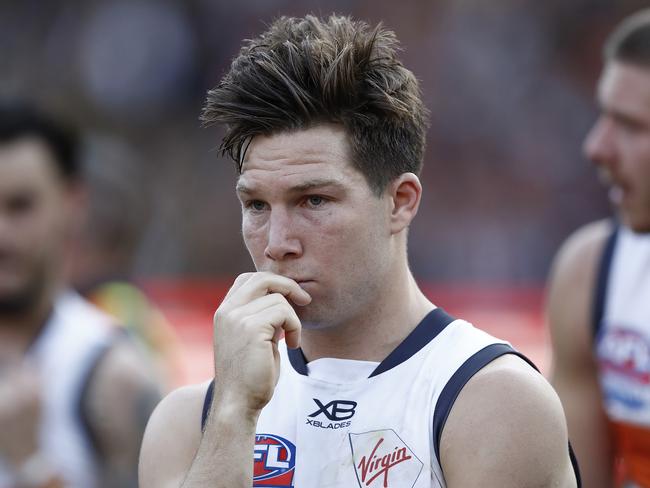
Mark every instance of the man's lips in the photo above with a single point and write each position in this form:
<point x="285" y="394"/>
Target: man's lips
<point x="619" y="191"/>
<point x="302" y="282"/>
<point x="297" y="279"/>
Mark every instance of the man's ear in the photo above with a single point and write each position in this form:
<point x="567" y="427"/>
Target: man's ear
<point x="405" y="194"/>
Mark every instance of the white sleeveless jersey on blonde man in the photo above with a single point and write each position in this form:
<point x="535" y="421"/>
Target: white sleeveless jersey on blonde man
<point x="622" y="332"/>
<point x="65" y="354"/>
<point x="342" y="423"/>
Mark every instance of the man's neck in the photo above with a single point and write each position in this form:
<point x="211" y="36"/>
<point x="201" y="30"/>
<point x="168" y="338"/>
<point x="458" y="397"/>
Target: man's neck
<point x="379" y="329"/>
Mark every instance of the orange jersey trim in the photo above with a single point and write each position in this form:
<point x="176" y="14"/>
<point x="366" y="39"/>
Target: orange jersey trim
<point x="632" y="451"/>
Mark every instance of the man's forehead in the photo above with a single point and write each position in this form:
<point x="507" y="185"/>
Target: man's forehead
<point x="295" y="185"/>
<point x="27" y="166"/>
<point x="298" y="161"/>
<point x="27" y="155"/>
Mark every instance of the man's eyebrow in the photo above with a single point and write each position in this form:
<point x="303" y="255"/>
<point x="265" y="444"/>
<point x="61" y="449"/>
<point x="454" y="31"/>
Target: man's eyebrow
<point x="241" y="188"/>
<point x="313" y="184"/>
<point x="302" y="187"/>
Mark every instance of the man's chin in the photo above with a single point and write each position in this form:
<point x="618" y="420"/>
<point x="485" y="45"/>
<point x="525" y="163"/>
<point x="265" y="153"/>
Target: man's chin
<point x="313" y="325"/>
<point x="14" y="305"/>
<point x="312" y="319"/>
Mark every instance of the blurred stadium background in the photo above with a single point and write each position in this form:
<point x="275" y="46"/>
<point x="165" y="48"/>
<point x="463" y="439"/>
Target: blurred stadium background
<point x="510" y="87"/>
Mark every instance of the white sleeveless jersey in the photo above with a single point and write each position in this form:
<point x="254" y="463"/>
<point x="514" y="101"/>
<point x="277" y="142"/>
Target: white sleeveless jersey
<point x="622" y="333"/>
<point x="70" y="345"/>
<point x="341" y="423"/>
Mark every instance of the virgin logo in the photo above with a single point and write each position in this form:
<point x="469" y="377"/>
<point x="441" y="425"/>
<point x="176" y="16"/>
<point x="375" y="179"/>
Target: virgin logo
<point x="382" y="459"/>
<point x="374" y="466"/>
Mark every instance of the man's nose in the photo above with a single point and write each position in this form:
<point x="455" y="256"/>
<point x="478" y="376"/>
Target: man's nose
<point x="600" y="143"/>
<point x="283" y="241"/>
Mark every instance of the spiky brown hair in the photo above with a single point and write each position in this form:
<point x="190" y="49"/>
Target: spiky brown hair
<point x="306" y="71"/>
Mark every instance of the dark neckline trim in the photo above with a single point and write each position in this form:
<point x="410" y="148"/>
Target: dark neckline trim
<point x="430" y="326"/>
<point x="427" y="330"/>
<point x="298" y="361"/>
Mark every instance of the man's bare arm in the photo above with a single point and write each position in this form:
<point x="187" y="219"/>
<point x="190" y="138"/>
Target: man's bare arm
<point x="574" y="373"/>
<point x="506" y="430"/>
<point x="122" y="395"/>
<point x="172" y="438"/>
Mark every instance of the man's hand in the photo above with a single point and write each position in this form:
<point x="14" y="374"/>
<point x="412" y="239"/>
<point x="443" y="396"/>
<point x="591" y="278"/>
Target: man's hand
<point x="247" y="326"/>
<point x="20" y="412"/>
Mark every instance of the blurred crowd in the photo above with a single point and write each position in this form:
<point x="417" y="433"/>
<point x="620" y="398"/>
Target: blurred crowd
<point x="509" y="84"/>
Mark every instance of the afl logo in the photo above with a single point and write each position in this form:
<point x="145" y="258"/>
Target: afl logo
<point x="274" y="461"/>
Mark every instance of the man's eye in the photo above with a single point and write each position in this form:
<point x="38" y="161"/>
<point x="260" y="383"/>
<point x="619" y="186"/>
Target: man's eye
<point x="21" y="204"/>
<point x="257" y="205"/>
<point x="315" y="200"/>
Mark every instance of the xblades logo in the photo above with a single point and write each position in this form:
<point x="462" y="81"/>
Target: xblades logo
<point x="339" y="411"/>
<point x="336" y="409"/>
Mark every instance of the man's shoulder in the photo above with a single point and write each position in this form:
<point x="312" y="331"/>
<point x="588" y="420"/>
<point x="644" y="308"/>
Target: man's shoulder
<point x="509" y="386"/>
<point x="179" y="413"/>
<point x="584" y="245"/>
<point x="186" y="401"/>
<point x="503" y="395"/>
<point x="572" y="287"/>
<point x="173" y="435"/>
<point x="508" y="371"/>
<point x="507" y="411"/>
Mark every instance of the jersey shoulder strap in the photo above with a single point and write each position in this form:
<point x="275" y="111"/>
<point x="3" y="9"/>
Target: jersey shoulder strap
<point x="602" y="280"/>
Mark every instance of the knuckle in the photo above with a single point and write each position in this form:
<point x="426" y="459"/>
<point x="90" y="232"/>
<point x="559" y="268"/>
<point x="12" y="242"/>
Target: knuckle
<point x="240" y="281"/>
<point x="243" y="277"/>
<point x="223" y="315"/>
<point x="218" y="316"/>
<point x="262" y="276"/>
<point x="278" y="298"/>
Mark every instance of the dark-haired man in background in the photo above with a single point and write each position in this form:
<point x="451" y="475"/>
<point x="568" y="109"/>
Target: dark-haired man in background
<point x="599" y="296"/>
<point x="374" y="386"/>
<point x="74" y="394"/>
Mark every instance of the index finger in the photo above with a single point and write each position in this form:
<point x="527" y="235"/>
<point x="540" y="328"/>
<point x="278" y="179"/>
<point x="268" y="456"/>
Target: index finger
<point x="238" y="283"/>
<point x="264" y="283"/>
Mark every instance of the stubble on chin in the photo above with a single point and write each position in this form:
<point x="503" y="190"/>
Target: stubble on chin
<point x="314" y="317"/>
<point x="24" y="300"/>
